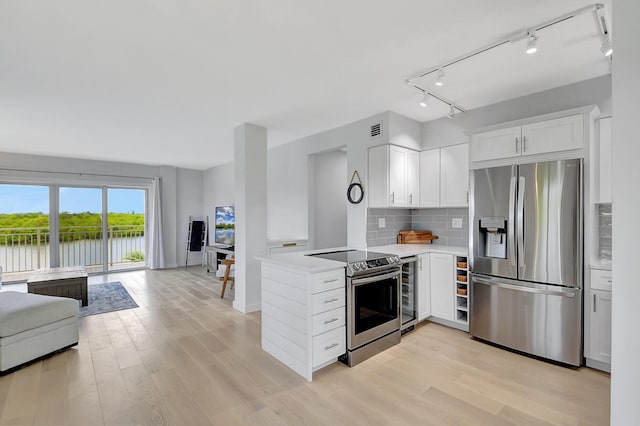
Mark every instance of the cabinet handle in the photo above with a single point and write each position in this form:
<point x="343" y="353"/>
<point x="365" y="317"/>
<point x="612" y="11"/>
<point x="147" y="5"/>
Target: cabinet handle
<point x="331" y="320"/>
<point x="332" y="280"/>
<point x="524" y="143"/>
<point x="331" y="346"/>
<point x="516" y="144"/>
<point x="411" y="198"/>
<point x="609" y="281"/>
<point x="421" y="264"/>
<point x="393" y="197"/>
<point x="335" y="299"/>
<point x="594" y="303"/>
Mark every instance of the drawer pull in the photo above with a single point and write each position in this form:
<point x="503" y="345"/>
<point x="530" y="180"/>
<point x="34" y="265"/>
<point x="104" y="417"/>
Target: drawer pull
<point x="331" y="346"/>
<point x="334" y="299"/>
<point x="609" y="281"/>
<point x="332" y="280"/>
<point x="331" y="320"/>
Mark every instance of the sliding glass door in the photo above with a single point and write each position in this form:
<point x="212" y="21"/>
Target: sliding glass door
<point x="100" y="228"/>
<point x="24" y="229"/>
<point x="80" y="221"/>
<point x="126" y="219"/>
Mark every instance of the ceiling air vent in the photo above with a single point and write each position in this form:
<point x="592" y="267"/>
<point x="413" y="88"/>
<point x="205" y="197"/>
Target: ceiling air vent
<point x="376" y="130"/>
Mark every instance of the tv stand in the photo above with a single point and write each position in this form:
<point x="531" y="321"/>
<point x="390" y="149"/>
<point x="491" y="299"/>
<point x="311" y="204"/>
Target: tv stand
<point x="217" y="252"/>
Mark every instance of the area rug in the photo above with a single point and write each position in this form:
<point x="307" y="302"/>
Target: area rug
<point x="107" y="297"/>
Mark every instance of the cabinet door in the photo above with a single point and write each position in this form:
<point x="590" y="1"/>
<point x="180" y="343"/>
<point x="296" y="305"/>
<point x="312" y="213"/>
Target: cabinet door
<point x="604" y="161"/>
<point x="413" y="178"/>
<point x="397" y="176"/>
<point x="561" y="134"/>
<point x="502" y="143"/>
<point x="442" y="286"/>
<point x="378" y="177"/>
<point x="454" y="176"/>
<point x="600" y="325"/>
<point x="424" y="287"/>
<point x="430" y="178"/>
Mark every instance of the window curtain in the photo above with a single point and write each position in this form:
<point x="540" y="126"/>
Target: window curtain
<point x="156" y="252"/>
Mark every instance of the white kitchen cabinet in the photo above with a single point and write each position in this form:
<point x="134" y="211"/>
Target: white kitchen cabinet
<point x="604" y="161"/>
<point x="303" y="317"/>
<point x="424" y="287"/>
<point x="430" y="178"/>
<point x="444" y="176"/>
<point x="442" y="286"/>
<point x="600" y="326"/>
<point x="495" y="144"/>
<point x="413" y="178"/>
<point x="598" y="310"/>
<point x="454" y="176"/>
<point x="541" y="137"/>
<point x="393" y="177"/>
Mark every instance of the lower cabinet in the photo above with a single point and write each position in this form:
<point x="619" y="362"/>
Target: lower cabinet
<point x="424" y="287"/>
<point x="442" y="286"/>
<point x="303" y="317"/>
<point x="442" y="289"/>
<point x="598" y="314"/>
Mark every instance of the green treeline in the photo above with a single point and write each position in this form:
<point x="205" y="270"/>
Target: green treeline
<point x="73" y="226"/>
<point x="225" y="226"/>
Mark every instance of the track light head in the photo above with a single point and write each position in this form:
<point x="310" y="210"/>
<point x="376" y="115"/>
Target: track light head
<point x="452" y="112"/>
<point x="440" y="78"/>
<point x="532" y="42"/>
<point x="425" y="99"/>
<point x="606" y="49"/>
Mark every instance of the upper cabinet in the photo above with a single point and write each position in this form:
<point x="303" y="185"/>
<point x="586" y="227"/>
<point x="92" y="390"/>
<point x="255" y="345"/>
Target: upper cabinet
<point x="604" y="161"/>
<point x="444" y="176"/>
<point x="393" y="177"/>
<point x="454" y="176"/>
<point x="541" y="137"/>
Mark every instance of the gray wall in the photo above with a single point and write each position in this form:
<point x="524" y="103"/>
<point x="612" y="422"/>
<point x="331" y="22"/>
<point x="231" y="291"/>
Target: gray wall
<point x="329" y="206"/>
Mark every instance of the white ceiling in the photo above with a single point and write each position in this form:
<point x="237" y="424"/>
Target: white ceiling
<point x="166" y="81"/>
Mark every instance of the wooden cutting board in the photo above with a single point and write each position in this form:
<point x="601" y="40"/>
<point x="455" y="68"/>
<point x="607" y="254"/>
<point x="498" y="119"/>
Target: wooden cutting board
<point x="416" y="237"/>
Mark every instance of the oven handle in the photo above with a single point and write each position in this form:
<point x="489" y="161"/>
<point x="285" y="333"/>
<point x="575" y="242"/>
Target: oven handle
<point x="360" y="281"/>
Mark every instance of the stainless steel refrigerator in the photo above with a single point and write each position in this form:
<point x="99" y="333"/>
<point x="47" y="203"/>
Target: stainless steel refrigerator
<point x="526" y="258"/>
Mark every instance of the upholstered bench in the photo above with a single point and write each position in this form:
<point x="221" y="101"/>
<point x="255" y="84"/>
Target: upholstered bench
<point x="32" y="326"/>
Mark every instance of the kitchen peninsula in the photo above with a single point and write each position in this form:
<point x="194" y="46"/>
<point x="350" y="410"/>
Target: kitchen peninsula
<point x="304" y="298"/>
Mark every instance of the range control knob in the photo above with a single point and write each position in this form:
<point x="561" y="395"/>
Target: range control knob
<point x="363" y="265"/>
<point x="356" y="266"/>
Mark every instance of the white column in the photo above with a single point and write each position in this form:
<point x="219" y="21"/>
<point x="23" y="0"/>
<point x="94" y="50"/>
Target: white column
<point x="625" y="344"/>
<point x="250" y="163"/>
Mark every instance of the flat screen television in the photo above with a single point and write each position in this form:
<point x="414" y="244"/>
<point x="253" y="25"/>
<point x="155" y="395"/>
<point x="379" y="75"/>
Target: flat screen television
<point x="225" y="230"/>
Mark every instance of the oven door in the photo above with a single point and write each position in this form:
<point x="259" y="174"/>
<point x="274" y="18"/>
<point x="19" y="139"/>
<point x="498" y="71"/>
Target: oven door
<point x="373" y="307"/>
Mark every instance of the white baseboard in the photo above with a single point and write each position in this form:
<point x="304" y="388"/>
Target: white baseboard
<point x="246" y="309"/>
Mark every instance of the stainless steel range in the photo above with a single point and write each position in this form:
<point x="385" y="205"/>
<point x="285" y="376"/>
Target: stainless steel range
<point x="373" y="301"/>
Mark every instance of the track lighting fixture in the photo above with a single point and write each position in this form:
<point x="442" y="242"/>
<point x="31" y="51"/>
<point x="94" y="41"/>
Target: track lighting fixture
<point x="452" y="111"/>
<point x="532" y="42"/>
<point x="440" y="78"/>
<point x="425" y="99"/>
<point x="606" y="49"/>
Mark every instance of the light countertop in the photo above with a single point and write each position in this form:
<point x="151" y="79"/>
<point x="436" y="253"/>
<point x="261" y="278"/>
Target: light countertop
<point x="298" y="259"/>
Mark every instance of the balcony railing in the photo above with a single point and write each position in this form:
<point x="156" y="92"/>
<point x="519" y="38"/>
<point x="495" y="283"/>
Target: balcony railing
<point x="28" y="249"/>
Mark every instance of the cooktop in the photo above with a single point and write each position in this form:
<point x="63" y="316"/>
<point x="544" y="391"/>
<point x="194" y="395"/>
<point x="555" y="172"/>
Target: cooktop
<point x="360" y="260"/>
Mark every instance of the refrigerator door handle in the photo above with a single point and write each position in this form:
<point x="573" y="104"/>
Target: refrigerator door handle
<point x="520" y="210"/>
<point x="511" y="226"/>
<point x="529" y="288"/>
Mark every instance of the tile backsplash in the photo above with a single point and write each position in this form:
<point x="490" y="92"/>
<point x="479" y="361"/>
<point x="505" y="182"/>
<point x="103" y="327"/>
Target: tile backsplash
<point x="437" y="220"/>
<point x="395" y="221"/>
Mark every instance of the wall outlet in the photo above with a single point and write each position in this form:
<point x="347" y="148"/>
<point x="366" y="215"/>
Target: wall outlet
<point x="456" y="222"/>
<point x="382" y="222"/>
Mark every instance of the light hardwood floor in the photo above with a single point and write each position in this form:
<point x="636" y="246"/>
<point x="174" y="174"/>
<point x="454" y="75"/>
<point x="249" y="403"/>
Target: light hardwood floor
<point x="186" y="357"/>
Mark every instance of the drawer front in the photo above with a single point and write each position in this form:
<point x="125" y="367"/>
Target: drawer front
<point x="328" y="300"/>
<point x="601" y="280"/>
<point x="327" y="321"/>
<point x="328" y="280"/>
<point x="328" y="346"/>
